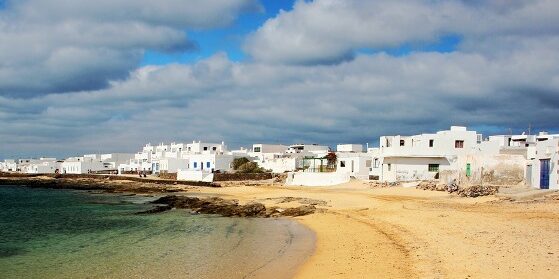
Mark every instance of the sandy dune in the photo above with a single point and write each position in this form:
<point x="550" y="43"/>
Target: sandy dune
<point x="404" y="233"/>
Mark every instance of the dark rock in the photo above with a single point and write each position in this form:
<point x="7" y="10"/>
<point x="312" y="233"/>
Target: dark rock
<point x="157" y="209"/>
<point x="299" y="211"/>
<point x="231" y="208"/>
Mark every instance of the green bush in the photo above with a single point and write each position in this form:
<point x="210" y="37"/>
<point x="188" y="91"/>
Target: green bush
<point x="250" y="167"/>
<point x="237" y="162"/>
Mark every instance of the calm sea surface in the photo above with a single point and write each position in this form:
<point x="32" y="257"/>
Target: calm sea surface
<point x="71" y="234"/>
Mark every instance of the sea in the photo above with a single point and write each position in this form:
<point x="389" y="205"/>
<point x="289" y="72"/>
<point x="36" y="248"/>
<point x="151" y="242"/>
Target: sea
<point x="54" y="233"/>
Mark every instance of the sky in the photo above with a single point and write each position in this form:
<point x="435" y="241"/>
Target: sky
<point x="111" y="75"/>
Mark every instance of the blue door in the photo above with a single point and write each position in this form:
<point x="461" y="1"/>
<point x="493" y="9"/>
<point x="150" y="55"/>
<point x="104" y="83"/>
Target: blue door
<point x="544" y="174"/>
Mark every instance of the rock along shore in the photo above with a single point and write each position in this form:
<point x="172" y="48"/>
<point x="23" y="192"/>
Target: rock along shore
<point x="227" y="208"/>
<point x="100" y="182"/>
<point x="120" y="184"/>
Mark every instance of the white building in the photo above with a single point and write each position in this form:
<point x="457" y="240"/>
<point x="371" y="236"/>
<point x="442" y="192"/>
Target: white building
<point x="81" y="165"/>
<point x="170" y="158"/>
<point x="311" y="149"/>
<point x="274" y="157"/>
<point x="169" y="165"/>
<point x="543" y="170"/>
<point x="42" y="165"/>
<point x="198" y="147"/>
<point x="357" y="165"/>
<point x="267" y="151"/>
<point x="210" y="162"/>
<point x="201" y="167"/>
<point x="422" y="157"/>
<point x="349" y="148"/>
<point x="8" y="165"/>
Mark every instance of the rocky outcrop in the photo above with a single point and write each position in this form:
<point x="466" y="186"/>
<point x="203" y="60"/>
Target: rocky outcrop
<point x="306" y="201"/>
<point x="477" y="191"/>
<point x="467" y="191"/>
<point x="228" y="208"/>
<point x="100" y="182"/>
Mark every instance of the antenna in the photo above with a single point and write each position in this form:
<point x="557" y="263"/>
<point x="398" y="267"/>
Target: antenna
<point x="529" y="128"/>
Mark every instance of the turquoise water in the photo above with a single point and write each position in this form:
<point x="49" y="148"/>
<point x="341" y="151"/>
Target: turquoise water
<point x="70" y="234"/>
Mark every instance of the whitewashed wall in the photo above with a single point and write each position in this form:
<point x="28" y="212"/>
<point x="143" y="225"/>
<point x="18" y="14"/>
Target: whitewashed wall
<point x="195" y="175"/>
<point x="316" y="179"/>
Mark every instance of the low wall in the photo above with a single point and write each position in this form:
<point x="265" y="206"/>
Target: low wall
<point x="135" y="172"/>
<point x="241" y="176"/>
<point x="166" y="175"/>
<point x="195" y="175"/>
<point x="316" y="179"/>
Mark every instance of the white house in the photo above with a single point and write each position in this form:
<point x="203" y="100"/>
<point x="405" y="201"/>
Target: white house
<point x="349" y="148"/>
<point x="422" y="157"/>
<point x="42" y="165"/>
<point x="267" y="151"/>
<point x="210" y="162"/>
<point x="357" y="165"/>
<point x="8" y="165"/>
<point x="201" y="167"/>
<point x="199" y="147"/>
<point x="543" y="171"/>
<point x="81" y="165"/>
<point x="169" y="164"/>
<point x="274" y="157"/>
<point x="314" y="149"/>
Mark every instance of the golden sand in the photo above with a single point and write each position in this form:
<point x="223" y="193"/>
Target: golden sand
<point x="409" y="233"/>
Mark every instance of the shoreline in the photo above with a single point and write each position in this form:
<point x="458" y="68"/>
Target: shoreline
<point x="364" y="232"/>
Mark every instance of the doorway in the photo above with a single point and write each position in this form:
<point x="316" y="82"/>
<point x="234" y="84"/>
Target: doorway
<point x="544" y="174"/>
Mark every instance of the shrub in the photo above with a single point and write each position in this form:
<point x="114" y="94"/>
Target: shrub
<point x="250" y="167"/>
<point x="237" y="162"/>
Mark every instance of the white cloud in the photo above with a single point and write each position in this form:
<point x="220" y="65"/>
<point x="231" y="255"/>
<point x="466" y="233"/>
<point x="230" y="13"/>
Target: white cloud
<point x="325" y="31"/>
<point x="505" y="74"/>
<point x="54" y="46"/>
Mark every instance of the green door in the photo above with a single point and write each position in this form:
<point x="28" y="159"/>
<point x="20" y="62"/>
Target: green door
<point x="468" y="170"/>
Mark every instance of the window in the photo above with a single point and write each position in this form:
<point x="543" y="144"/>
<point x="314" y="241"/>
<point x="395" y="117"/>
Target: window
<point x="433" y="167"/>
<point x="459" y="144"/>
<point x="389" y="167"/>
<point x="195" y="164"/>
<point x="431" y="143"/>
<point x="257" y="149"/>
<point x="387" y="143"/>
<point x="205" y="148"/>
<point x="368" y="163"/>
<point x="402" y="142"/>
<point x="214" y="148"/>
<point x="208" y="165"/>
<point x="376" y="163"/>
<point x="342" y="164"/>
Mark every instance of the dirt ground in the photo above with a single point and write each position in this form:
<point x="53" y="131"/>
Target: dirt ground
<point x="408" y="233"/>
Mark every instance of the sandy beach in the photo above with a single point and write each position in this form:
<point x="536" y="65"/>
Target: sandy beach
<point x="408" y="233"/>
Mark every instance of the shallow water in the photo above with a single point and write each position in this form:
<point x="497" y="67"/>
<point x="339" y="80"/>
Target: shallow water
<point x="70" y="234"/>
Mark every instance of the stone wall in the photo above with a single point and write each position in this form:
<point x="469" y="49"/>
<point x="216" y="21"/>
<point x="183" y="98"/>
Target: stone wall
<point x="241" y="176"/>
<point x="166" y="175"/>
